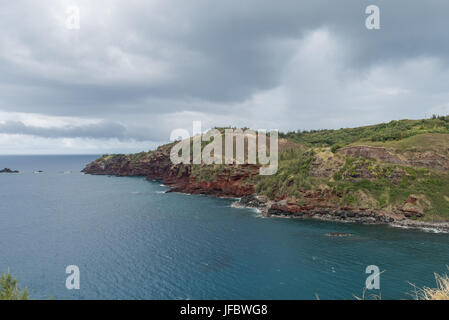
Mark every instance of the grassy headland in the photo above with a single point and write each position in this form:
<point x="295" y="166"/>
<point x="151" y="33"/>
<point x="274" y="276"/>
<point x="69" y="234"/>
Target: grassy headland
<point x="400" y="167"/>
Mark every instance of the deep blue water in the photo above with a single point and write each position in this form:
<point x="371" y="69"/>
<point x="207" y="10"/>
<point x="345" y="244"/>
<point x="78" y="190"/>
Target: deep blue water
<point x="132" y="241"/>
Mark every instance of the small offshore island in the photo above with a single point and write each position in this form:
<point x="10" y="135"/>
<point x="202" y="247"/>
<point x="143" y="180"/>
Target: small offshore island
<point x="7" y="170"/>
<point x="392" y="173"/>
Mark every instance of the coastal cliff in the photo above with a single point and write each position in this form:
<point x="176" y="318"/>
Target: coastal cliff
<point x="216" y="180"/>
<point x="399" y="180"/>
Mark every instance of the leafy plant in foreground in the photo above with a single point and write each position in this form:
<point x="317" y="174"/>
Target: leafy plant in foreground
<point x="9" y="289"/>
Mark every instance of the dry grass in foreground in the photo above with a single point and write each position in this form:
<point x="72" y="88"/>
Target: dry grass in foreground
<point x="441" y="292"/>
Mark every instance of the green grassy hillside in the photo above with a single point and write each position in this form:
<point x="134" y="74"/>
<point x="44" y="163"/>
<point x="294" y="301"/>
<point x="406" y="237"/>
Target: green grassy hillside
<point x="392" y="131"/>
<point x="400" y="167"/>
<point x="416" y="181"/>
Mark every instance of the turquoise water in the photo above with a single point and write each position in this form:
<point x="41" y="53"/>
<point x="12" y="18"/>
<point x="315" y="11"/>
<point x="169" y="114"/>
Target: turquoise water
<point x="132" y="241"/>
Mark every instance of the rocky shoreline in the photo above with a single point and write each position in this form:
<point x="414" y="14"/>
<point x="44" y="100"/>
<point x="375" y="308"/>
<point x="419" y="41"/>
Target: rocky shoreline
<point x="232" y="182"/>
<point x="281" y="209"/>
<point x="436" y="227"/>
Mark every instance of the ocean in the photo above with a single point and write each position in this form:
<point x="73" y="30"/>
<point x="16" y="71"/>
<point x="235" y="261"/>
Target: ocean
<point x="131" y="240"/>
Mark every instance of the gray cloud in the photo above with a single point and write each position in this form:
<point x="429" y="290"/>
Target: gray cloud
<point x="95" y="131"/>
<point x="158" y="131"/>
<point x="153" y="66"/>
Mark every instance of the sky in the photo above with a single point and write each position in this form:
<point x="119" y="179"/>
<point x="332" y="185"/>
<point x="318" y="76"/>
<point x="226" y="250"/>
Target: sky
<point x="135" y="70"/>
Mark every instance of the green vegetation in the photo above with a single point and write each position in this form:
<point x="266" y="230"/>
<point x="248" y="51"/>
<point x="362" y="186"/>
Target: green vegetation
<point x="436" y="142"/>
<point x="291" y="177"/>
<point x="9" y="289"/>
<point x="359" y="182"/>
<point x="136" y="157"/>
<point x="206" y="173"/>
<point x="392" y="131"/>
<point x="417" y="182"/>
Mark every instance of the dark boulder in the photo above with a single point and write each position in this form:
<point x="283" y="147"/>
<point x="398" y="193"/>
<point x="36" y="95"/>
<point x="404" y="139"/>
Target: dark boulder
<point x="7" y="170"/>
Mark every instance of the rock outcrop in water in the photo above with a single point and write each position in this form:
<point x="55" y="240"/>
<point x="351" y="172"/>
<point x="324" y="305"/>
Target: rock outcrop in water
<point x="7" y="170"/>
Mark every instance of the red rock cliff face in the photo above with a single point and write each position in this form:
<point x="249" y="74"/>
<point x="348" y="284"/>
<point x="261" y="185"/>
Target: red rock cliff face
<point x="230" y="182"/>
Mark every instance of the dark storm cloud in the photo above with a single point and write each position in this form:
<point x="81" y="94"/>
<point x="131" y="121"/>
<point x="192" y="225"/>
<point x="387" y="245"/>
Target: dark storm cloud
<point x="137" y="61"/>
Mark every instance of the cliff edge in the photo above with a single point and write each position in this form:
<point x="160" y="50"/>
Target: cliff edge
<point x="345" y="175"/>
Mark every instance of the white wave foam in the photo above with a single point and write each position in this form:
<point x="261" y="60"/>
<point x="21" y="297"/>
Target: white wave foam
<point x="425" y="229"/>
<point x="256" y="211"/>
<point x="434" y="230"/>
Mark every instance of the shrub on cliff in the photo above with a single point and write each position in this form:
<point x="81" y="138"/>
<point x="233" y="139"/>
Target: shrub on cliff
<point x="9" y="289"/>
<point x="335" y="147"/>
